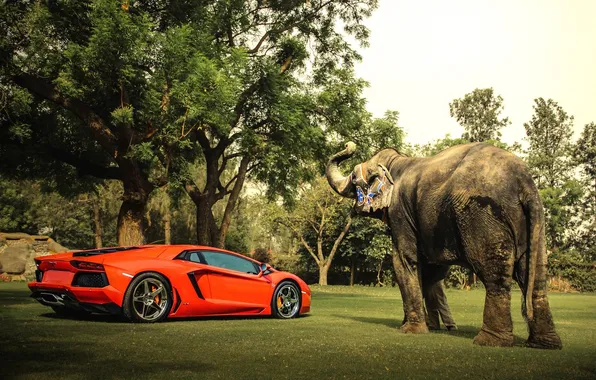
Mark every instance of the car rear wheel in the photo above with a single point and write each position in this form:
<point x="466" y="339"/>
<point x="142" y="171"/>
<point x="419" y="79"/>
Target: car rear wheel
<point x="286" y="300"/>
<point x="148" y="298"/>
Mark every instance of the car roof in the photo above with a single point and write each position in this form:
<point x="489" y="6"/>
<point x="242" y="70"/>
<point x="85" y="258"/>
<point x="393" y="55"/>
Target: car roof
<point x="174" y="249"/>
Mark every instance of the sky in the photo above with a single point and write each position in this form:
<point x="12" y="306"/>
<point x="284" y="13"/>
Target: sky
<point x="425" y="53"/>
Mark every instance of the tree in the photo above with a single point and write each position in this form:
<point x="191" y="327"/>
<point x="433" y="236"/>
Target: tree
<point x="313" y="222"/>
<point x="549" y="135"/>
<point x="141" y="89"/>
<point x="561" y="207"/>
<point x="479" y="113"/>
<point x="436" y="146"/>
<point x="584" y="154"/>
<point x="366" y="244"/>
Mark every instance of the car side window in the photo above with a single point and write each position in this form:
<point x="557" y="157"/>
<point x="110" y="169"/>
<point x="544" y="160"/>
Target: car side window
<point x="227" y="261"/>
<point x="194" y="257"/>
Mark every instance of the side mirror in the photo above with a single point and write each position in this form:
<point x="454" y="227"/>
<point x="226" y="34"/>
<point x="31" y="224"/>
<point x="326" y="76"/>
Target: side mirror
<point x="263" y="268"/>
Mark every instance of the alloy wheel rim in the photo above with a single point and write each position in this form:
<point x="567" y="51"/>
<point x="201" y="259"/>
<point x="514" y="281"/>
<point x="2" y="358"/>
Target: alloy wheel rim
<point x="149" y="299"/>
<point x="287" y="301"/>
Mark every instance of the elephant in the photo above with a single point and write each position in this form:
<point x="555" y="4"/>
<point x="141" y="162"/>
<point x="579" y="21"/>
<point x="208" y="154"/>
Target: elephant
<point x="473" y="205"/>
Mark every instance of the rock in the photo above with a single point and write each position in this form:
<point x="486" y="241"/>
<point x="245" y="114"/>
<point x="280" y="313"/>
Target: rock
<point x="17" y="251"/>
<point x="14" y="258"/>
<point x="54" y="247"/>
<point x="18" y="236"/>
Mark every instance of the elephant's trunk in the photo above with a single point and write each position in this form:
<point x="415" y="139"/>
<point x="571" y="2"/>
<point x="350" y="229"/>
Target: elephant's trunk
<point x="342" y="185"/>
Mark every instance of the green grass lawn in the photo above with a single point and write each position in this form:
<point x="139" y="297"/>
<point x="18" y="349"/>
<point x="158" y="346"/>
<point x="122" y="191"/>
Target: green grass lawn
<point x="351" y="333"/>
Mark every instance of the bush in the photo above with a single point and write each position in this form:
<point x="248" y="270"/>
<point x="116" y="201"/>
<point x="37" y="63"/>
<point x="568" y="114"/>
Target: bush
<point x="236" y="242"/>
<point x="568" y="265"/>
<point x="262" y="254"/>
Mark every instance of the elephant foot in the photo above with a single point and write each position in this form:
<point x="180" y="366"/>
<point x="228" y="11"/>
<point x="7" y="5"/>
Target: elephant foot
<point x="494" y="339"/>
<point x="413" y="328"/>
<point x="550" y="341"/>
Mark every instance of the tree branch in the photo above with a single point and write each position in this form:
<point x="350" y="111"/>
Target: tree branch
<point x="304" y="243"/>
<point x="340" y="238"/>
<point x="48" y="91"/>
<point x="225" y="223"/>
<point x="286" y="28"/>
<point x="84" y="166"/>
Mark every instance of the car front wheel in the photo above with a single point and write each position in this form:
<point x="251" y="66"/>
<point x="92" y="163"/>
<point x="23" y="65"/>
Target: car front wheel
<point x="148" y="298"/>
<point x="286" y="300"/>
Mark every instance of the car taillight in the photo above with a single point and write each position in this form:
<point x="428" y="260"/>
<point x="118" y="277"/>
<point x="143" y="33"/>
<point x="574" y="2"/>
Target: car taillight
<point x="86" y="266"/>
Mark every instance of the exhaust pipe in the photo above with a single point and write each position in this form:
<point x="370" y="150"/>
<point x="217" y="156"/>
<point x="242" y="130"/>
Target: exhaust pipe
<point x="50" y="298"/>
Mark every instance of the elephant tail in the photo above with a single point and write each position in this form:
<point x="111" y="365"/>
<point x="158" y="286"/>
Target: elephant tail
<point x="536" y="248"/>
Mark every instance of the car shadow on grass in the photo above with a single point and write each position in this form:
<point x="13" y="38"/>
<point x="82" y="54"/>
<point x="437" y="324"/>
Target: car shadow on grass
<point x="120" y="319"/>
<point x="229" y="318"/>
<point x="463" y="331"/>
<point x="87" y="317"/>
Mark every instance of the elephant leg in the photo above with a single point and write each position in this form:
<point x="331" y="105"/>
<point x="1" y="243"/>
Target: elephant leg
<point x="497" y="327"/>
<point x="411" y="294"/>
<point x="542" y="327"/>
<point x="496" y="274"/>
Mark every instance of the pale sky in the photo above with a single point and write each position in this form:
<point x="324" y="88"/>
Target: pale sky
<point x="424" y="54"/>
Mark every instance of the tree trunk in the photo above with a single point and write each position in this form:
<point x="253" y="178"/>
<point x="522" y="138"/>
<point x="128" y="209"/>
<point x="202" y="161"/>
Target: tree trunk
<point x="167" y="225"/>
<point x="323" y="270"/>
<point x="232" y="200"/>
<point x="131" y="223"/>
<point x="352" y="272"/>
<point x="204" y="221"/>
<point x="131" y="219"/>
<point x="97" y="220"/>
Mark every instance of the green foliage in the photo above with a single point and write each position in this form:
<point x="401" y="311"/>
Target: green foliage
<point x="560" y="206"/>
<point x="15" y="211"/>
<point x="25" y="206"/>
<point x="457" y="277"/>
<point x="434" y="147"/>
<point x="262" y="254"/>
<point x="479" y="113"/>
<point x="583" y="238"/>
<point x="585" y="150"/>
<point x="154" y="89"/>
<point x="236" y="241"/>
<point x="572" y="267"/>
<point x="549" y="134"/>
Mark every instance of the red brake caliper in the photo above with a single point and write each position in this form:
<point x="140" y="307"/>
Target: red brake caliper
<point x="156" y="299"/>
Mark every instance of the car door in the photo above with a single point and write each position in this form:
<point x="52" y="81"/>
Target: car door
<point x="234" y="283"/>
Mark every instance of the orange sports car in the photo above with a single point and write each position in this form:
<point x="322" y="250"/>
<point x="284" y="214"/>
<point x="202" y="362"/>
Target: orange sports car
<point x="153" y="282"/>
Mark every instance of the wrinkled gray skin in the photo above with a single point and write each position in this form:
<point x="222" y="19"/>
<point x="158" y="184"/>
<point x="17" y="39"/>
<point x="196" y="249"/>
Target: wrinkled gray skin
<point x="473" y="205"/>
